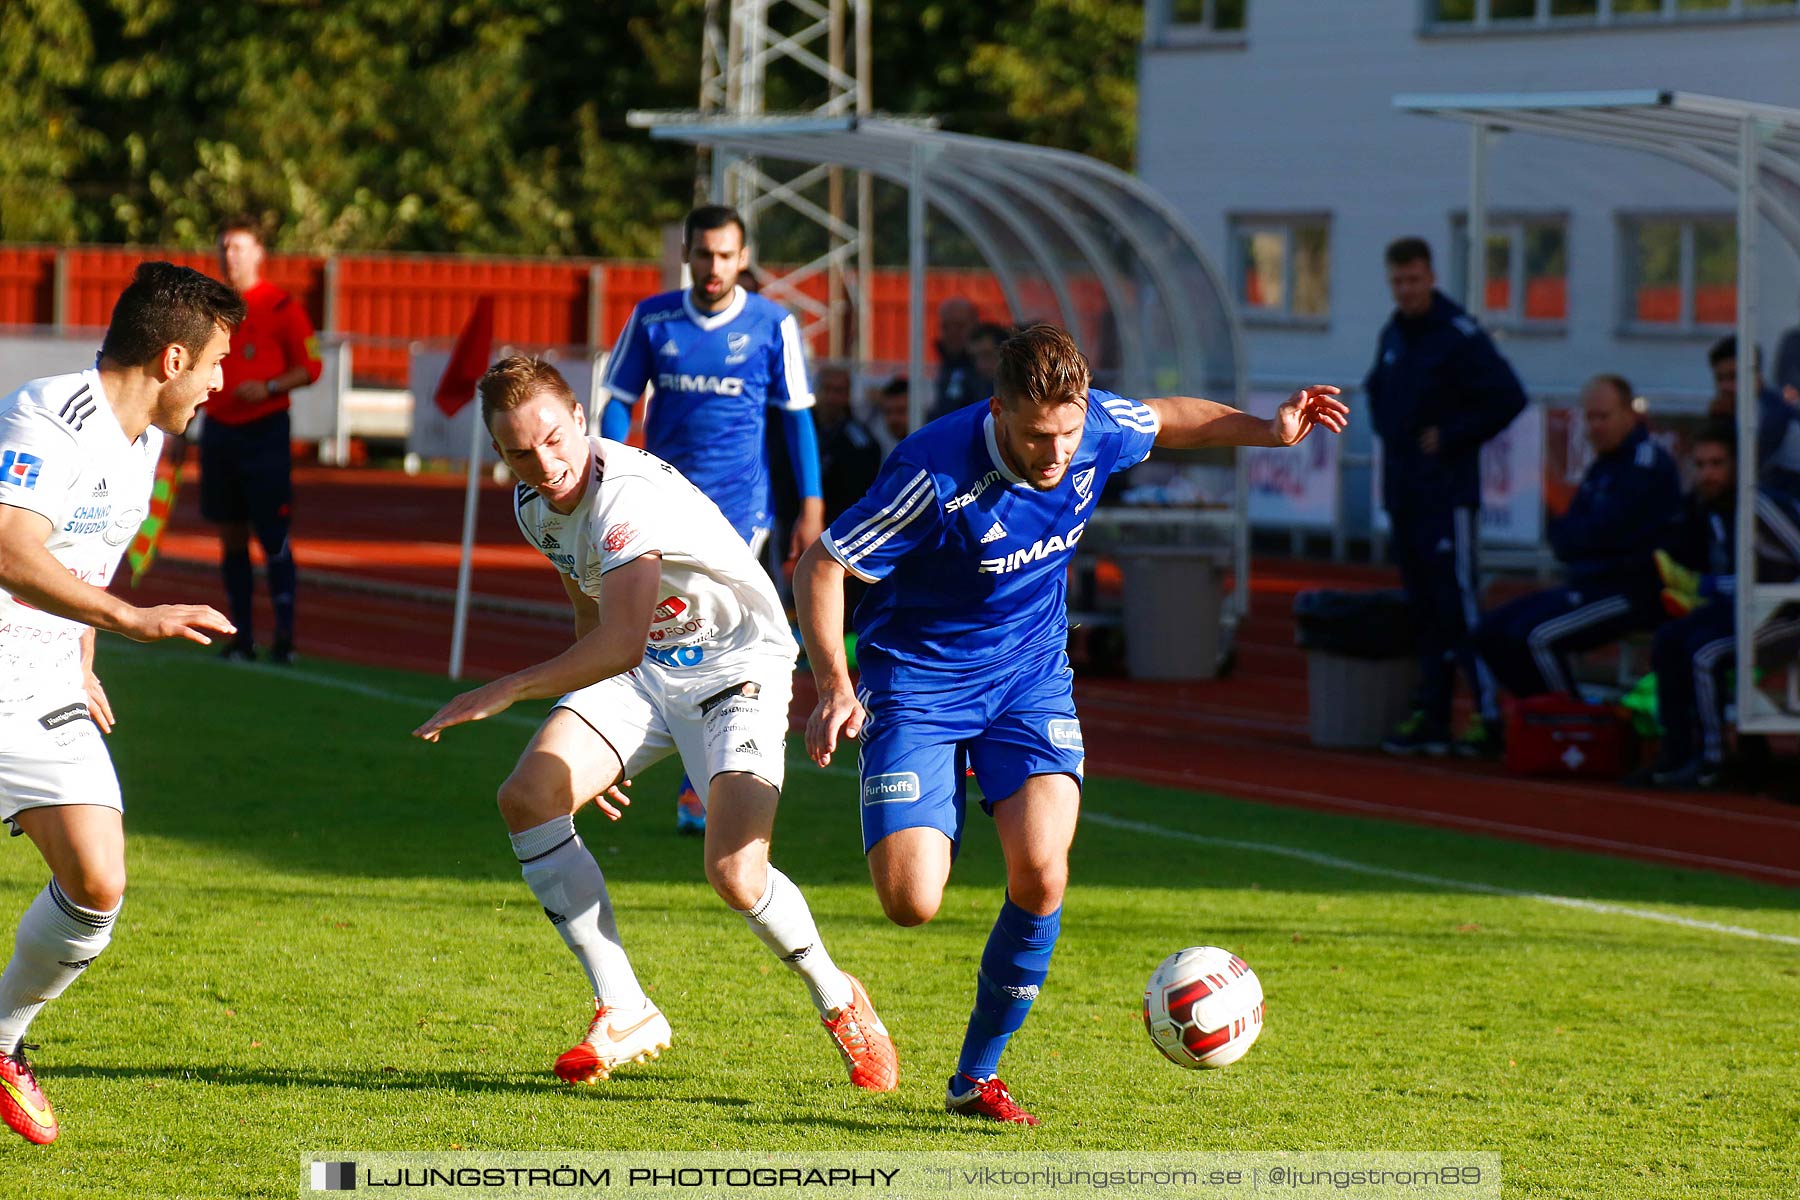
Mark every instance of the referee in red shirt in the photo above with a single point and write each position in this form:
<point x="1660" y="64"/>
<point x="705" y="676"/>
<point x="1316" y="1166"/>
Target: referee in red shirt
<point x="246" y="481"/>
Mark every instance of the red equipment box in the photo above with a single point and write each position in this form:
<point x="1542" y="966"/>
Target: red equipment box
<point x="1559" y="735"/>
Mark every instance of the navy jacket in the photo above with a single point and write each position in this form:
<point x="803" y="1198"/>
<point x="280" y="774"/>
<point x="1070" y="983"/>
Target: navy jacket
<point x="1777" y="442"/>
<point x="1439" y="370"/>
<point x="1704" y="537"/>
<point x="1620" y="514"/>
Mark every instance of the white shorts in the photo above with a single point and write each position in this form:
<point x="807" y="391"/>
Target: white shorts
<point x="54" y="757"/>
<point x="725" y="718"/>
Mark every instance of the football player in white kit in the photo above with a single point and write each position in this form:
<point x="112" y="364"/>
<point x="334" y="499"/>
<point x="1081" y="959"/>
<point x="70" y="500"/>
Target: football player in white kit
<point x="77" y="459"/>
<point x="680" y="646"/>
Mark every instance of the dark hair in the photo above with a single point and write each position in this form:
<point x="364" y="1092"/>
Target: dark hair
<point x="711" y="216"/>
<point x="242" y="223"/>
<point x="1620" y="386"/>
<point x="1717" y="433"/>
<point x="1405" y="250"/>
<point x="1726" y="347"/>
<point x="1041" y="364"/>
<point x="165" y="305"/>
<point x="514" y="380"/>
<point x="990" y="331"/>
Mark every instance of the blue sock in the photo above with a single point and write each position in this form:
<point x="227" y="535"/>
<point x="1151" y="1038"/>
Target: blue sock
<point x="1014" y="964"/>
<point x="239" y="583"/>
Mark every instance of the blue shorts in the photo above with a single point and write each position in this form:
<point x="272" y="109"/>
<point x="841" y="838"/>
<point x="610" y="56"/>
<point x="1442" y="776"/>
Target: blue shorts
<point x="918" y="747"/>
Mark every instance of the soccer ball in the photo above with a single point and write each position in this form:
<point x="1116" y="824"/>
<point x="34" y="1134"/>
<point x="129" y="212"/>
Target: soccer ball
<point x="1203" y="1007"/>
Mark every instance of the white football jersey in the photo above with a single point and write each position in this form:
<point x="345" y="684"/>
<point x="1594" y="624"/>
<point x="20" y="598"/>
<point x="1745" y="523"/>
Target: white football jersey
<point x="64" y="456"/>
<point x="714" y="599"/>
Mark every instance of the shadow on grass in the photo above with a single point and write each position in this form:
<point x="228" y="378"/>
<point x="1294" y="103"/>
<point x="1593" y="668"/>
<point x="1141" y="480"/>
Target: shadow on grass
<point x="645" y="1088"/>
<point x="321" y="776"/>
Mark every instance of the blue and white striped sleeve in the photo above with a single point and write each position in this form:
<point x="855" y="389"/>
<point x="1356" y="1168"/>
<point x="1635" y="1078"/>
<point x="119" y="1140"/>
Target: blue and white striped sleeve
<point x="1131" y="420"/>
<point x="788" y="387"/>
<point x="900" y="513"/>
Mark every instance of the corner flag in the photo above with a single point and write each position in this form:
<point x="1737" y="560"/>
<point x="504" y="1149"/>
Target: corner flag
<point x="468" y="359"/>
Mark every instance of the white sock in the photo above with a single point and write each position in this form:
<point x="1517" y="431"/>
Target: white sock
<point x="56" y="940"/>
<point x="785" y="925"/>
<point x="567" y="882"/>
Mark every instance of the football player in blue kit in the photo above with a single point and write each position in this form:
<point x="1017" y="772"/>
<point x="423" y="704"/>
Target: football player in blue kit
<point x="965" y="541"/>
<point x="717" y="360"/>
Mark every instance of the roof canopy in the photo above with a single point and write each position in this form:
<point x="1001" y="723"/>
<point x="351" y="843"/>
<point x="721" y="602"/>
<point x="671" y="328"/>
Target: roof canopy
<point x="1701" y="132"/>
<point x="1070" y="239"/>
<point x="1751" y="149"/>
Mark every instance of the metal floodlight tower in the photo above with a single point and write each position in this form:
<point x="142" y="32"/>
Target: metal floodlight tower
<point x="809" y="40"/>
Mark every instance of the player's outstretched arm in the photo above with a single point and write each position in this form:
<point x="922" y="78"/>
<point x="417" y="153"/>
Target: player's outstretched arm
<point x="819" y="600"/>
<point x="616" y="646"/>
<point x="29" y="571"/>
<point x="1188" y="422"/>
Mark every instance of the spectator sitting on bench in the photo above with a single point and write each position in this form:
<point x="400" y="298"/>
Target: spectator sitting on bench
<point x="1605" y="539"/>
<point x="1692" y="653"/>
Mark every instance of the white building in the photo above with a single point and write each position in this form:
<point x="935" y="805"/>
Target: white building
<point x="1270" y="125"/>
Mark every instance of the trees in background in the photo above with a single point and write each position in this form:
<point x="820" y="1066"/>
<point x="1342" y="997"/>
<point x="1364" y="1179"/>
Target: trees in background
<point x="493" y="126"/>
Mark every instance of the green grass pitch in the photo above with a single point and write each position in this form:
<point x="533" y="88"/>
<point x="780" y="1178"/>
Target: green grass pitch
<point x="326" y="945"/>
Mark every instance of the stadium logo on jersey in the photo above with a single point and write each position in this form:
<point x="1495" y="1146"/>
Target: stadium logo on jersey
<point x="124" y="527"/>
<point x="994" y="534"/>
<point x="1040" y="549"/>
<point x="718" y="385"/>
<point x="20" y="468"/>
<point x="974" y="493"/>
<point x="618" y="536"/>
<point x="1064" y="733"/>
<point x="897" y="787"/>
<point x="670" y="609"/>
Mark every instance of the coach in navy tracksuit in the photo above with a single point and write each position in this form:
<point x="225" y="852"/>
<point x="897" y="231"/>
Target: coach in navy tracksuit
<point x="1777" y="459"/>
<point x="1437" y="391"/>
<point x="1692" y="653"/>
<point x="1606" y="539"/>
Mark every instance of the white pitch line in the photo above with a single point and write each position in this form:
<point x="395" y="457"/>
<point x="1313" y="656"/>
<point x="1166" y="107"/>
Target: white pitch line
<point x="1331" y="861"/>
<point x="1361" y="868"/>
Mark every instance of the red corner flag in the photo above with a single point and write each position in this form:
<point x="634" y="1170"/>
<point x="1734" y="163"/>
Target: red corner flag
<point x="468" y="359"/>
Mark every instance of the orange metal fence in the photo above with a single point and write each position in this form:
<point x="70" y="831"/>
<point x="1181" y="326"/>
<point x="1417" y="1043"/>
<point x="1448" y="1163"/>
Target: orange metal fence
<point x="382" y="302"/>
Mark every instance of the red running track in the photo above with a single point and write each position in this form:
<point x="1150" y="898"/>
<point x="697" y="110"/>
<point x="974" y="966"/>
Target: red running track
<point x="1244" y="737"/>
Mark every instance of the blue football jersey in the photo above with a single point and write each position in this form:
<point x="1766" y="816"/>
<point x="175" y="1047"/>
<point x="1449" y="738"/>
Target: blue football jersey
<point x="968" y="562"/>
<point x="714" y="376"/>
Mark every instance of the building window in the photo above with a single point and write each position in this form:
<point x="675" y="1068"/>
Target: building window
<point x="1680" y="273"/>
<point x="1525" y="284"/>
<point x="1509" y="16"/>
<point x="1195" y="22"/>
<point x="1281" y="268"/>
